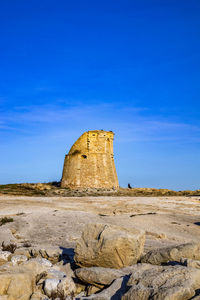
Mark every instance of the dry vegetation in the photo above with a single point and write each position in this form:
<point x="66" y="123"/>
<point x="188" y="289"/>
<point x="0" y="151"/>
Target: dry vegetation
<point x="5" y="220"/>
<point x="10" y="247"/>
<point x="54" y="189"/>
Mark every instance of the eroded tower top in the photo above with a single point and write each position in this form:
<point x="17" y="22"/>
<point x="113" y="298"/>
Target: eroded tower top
<point x="90" y="162"/>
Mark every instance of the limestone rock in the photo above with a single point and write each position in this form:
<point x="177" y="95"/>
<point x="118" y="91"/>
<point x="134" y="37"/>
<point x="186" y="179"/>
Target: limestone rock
<point x="163" y="283"/>
<point x="172" y="253"/>
<point x="23" y="251"/>
<point x="38" y="296"/>
<point x="156" y="235"/>
<point x="18" y="259"/>
<point x="80" y="295"/>
<point x="53" y="254"/>
<point x="18" y="281"/>
<point x="4" y="297"/>
<point x="41" y="261"/>
<point x="190" y="263"/>
<point x="4" y="256"/>
<point x="67" y="286"/>
<point x="54" y="273"/>
<point x="80" y="287"/>
<point x="109" y="246"/>
<point x="50" y="286"/>
<point x="6" y="235"/>
<point x="114" y="291"/>
<point x="36" y="266"/>
<point x="92" y="289"/>
<point x="16" y="285"/>
<point x="67" y="268"/>
<point x="138" y="268"/>
<point x="98" y="275"/>
<point x="139" y="292"/>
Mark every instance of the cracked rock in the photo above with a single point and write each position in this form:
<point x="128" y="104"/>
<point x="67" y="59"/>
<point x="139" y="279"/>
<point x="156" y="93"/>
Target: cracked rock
<point x="109" y="246"/>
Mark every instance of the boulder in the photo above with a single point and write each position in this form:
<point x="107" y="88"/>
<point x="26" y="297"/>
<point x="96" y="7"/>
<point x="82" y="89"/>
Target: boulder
<point x="50" y="286"/>
<point x="109" y="246"/>
<point x="16" y="285"/>
<point x="172" y="253"/>
<point x="163" y="283"/>
<point x="18" y="281"/>
<point x="59" y="287"/>
<point x="57" y="283"/>
<point x="98" y="276"/>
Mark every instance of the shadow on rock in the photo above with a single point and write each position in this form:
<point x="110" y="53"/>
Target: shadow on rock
<point x="197" y="223"/>
<point x="67" y="255"/>
<point x="122" y="290"/>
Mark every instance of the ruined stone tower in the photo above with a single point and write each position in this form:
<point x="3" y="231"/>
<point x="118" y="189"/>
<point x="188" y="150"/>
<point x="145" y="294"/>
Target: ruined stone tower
<point x="90" y="162"/>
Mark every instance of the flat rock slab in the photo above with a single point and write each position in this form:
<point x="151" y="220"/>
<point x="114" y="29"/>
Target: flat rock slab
<point x="163" y="283"/>
<point x="105" y="276"/>
<point x="98" y="275"/>
<point x="172" y="253"/>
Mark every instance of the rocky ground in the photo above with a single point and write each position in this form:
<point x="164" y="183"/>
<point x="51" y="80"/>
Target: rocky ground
<point x="138" y="238"/>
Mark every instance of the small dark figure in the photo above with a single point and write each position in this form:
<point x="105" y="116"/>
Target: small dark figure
<point x="129" y="186"/>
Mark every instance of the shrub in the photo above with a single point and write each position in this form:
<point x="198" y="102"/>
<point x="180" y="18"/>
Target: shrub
<point x="5" y="220"/>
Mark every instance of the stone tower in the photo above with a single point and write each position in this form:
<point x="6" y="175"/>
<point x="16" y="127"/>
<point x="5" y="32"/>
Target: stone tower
<point x="90" y="162"/>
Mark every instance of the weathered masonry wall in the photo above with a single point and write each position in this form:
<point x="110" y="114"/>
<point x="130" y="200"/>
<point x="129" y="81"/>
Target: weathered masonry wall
<point x="90" y="162"/>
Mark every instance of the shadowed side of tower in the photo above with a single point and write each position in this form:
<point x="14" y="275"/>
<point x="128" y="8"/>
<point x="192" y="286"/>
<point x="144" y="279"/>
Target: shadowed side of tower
<point x="90" y="162"/>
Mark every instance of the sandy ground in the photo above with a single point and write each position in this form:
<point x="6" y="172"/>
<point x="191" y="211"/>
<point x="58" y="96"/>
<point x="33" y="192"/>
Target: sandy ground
<point x="58" y="221"/>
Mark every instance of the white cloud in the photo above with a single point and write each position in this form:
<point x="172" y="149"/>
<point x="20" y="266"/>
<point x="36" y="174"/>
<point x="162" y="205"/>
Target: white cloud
<point x="130" y="124"/>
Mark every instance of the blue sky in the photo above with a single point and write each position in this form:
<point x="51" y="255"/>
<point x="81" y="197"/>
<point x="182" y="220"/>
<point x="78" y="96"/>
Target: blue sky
<point x="128" y="66"/>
